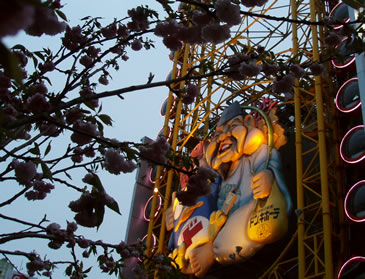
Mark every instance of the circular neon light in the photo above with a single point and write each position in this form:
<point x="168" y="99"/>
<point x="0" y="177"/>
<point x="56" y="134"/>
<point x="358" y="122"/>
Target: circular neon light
<point x="345" y="52"/>
<point x="154" y="242"/>
<point x="348" y="96"/>
<point x="340" y="12"/>
<point x="163" y="109"/>
<point x="152" y="174"/>
<point x="347" y="263"/>
<point x="147" y="208"/>
<point x="169" y="77"/>
<point x="160" y="133"/>
<point x="352" y="147"/>
<point x="352" y="201"/>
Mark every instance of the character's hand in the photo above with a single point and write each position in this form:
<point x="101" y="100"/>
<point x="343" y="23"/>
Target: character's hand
<point x="170" y="213"/>
<point x="261" y="184"/>
<point x="178" y="255"/>
<point x="216" y="222"/>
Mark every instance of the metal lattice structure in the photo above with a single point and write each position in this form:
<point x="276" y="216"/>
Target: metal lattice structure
<point x="309" y="110"/>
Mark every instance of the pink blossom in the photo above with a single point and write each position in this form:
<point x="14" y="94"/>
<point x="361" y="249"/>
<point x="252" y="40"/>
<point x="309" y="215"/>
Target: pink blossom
<point x="172" y="43"/>
<point x="122" y="31"/>
<point x="103" y="80"/>
<point x="73" y="38"/>
<point x="38" y="103"/>
<point x="45" y="22"/>
<point x="139" y="18"/>
<point x="285" y="84"/>
<point x="201" y="18"/>
<point x="39" y="88"/>
<point x="73" y="115"/>
<point x="332" y="39"/>
<point x="297" y="70"/>
<point x="270" y="69"/>
<point x="198" y="185"/>
<point x="117" y="50"/>
<point x="253" y="3"/>
<point x="190" y="35"/>
<point x="316" y="68"/>
<point x="84" y="133"/>
<point x="48" y="66"/>
<point x="115" y="163"/>
<point x="227" y="12"/>
<point x="88" y="177"/>
<point x="191" y="92"/>
<point x="15" y="16"/>
<point x="42" y="186"/>
<point x="71" y="227"/>
<point x="77" y="158"/>
<point x="156" y="151"/>
<point x="93" y="51"/>
<point x="5" y="81"/>
<point x="24" y="171"/>
<point x="49" y="130"/>
<point x="164" y="29"/>
<point x="216" y="33"/>
<point x="86" y="61"/>
<point x="89" y="152"/>
<point x="10" y="113"/>
<point x="250" y="69"/>
<point x="136" y="45"/>
<point x="109" y="31"/>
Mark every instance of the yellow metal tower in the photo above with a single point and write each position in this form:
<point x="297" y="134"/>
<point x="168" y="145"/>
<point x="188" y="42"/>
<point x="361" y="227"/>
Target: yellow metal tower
<point x="283" y="28"/>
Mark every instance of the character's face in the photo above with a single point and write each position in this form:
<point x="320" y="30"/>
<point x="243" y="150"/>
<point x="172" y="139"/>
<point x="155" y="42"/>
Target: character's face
<point x="227" y="144"/>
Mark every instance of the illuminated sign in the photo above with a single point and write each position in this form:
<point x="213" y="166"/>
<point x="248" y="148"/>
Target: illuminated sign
<point x="250" y="204"/>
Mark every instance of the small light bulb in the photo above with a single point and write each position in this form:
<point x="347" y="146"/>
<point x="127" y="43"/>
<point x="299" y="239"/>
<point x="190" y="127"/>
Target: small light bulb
<point x="155" y="190"/>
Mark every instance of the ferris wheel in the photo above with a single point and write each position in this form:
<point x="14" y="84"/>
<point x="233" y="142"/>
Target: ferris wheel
<point x="316" y="245"/>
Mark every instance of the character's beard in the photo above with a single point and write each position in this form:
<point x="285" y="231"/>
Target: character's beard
<point x="223" y="164"/>
<point x="223" y="169"/>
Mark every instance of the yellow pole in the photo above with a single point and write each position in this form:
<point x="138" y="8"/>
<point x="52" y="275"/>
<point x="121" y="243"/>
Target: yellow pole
<point x="170" y="173"/>
<point x="322" y="154"/>
<point x="207" y="103"/>
<point x="298" y="148"/>
<point x="159" y="168"/>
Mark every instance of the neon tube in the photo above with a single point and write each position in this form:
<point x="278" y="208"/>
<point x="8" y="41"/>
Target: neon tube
<point x="342" y="153"/>
<point x="346" y="203"/>
<point x="348" y="262"/>
<point x="340" y="92"/>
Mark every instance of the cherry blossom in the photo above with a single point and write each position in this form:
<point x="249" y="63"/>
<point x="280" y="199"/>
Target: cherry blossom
<point x="24" y="171"/>
<point x="115" y="163"/>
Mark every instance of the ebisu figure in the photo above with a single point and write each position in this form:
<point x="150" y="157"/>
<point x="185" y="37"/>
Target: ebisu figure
<point x="250" y="202"/>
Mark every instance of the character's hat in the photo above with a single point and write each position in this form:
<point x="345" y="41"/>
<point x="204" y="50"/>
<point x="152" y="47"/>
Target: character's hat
<point x="229" y="112"/>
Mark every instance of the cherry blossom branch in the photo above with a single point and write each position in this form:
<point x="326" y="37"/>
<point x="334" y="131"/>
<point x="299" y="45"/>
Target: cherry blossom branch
<point x="77" y="166"/>
<point x="79" y="100"/>
<point x="9" y="201"/>
<point x="68" y="184"/>
<point x="21" y="221"/>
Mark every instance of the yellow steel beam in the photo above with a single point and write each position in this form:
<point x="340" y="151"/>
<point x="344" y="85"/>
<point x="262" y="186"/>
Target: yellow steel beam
<point x="298" y="148"/>
<point x="322" y="153"/>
